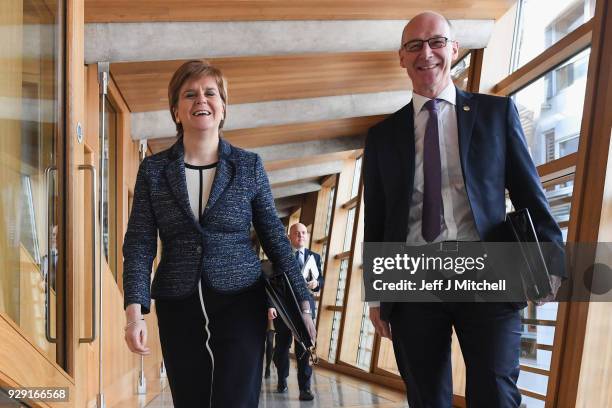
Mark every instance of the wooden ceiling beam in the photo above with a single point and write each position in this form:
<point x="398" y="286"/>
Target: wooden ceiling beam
<point x="321" y="158"/>
<point x="301" y="132"/>
<point x="105" y="11"/>
<point x="268" y="78"/>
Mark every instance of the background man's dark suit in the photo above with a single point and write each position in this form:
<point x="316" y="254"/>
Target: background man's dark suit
<point x="282" y="342"/>
<point x="494" y="157"/>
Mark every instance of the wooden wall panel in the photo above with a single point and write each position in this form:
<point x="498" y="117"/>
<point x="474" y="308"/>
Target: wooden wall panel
<point x="256" y="79"/>
<point x="320" y="218"/>
<point x="102" y="11"/>
<point x="309" y="207"/>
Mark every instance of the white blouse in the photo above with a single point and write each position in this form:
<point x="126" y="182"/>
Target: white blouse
<point x="199" y="183"/>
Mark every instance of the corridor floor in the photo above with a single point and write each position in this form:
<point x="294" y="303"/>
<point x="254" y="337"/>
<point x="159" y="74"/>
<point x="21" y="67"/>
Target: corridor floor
<point x="331" y="389"/>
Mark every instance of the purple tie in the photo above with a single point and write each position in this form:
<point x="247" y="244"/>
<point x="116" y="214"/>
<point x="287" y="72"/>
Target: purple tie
<point x="432" y="179"/>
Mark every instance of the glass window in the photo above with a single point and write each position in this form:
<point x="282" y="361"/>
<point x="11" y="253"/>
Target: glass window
<point x="366" y="340"/>
<point x="550" y="109"/>
<point x="32" y="170"/>
<point x="323" y="255"/>
<point x="348" y="234"/>
<point x="109" y="224"/>
<point x="333" y="343"/>
<point x="536" y="338"/>
<point x="330" y="210"/>
<point x="543" y="23"/>
<point x="460" y="72"/>
<point x="559" y="194"/>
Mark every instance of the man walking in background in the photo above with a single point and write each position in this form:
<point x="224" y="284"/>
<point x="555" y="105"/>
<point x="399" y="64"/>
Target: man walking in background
<point x="310" y="264"/>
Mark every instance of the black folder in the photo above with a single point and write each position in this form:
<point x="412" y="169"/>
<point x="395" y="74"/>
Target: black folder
<point x="282" y="298"/>
<point x="534" y="272"/>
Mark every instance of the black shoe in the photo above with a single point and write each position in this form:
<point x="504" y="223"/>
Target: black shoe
<point x="281" y="387"/>
<point x="306" y="395"/>
<point x="267" y="373"/>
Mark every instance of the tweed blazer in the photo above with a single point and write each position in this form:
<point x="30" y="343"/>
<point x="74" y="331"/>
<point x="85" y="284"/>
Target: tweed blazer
<point x="218" y="249"/>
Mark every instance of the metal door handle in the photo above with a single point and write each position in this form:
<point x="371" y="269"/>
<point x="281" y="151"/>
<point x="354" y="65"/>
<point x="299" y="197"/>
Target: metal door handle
<point x="94" y="234"/>
<point x="50" y="200"/>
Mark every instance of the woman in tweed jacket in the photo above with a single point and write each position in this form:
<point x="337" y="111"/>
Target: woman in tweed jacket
<point x="201" y="196"/>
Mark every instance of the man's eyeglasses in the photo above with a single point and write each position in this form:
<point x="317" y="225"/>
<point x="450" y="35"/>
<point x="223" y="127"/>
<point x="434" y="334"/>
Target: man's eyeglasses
<point x="417" y="45"/>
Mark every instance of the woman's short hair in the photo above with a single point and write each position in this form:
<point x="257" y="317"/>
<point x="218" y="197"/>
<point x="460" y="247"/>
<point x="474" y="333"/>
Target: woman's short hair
<point x="195" y="69"/>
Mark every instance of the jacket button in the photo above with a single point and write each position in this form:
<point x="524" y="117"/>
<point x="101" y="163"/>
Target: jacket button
<point x="199" y="249"/>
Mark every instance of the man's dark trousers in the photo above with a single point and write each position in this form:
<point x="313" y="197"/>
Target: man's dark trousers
<point x="282" y="343"/>
<point x="422" y="343"/>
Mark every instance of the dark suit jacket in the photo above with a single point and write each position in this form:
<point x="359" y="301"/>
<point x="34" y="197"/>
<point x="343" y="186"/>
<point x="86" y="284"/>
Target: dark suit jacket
<point x="494" y="157"/>
<point x="219" y="249"/>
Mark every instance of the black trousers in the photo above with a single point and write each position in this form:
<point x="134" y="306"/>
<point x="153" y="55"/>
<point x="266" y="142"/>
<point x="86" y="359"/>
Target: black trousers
<point x="269" y="347"/>
<point x="489" y="335"/>
<point x="213" y="347"/>
<point x="282" y="343"/>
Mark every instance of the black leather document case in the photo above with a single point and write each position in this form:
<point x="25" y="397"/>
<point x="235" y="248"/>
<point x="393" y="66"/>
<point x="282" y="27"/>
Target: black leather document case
<point x="282" y="298"/>
<point x="534" y="272"/>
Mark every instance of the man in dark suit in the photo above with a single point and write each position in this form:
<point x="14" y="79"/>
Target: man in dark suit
<point x="437" y="170"/>
<point x="298" y="235"/>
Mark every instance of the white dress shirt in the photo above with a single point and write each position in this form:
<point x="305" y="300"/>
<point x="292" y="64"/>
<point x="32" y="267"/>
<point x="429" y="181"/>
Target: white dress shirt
<point x="458" y="221"/>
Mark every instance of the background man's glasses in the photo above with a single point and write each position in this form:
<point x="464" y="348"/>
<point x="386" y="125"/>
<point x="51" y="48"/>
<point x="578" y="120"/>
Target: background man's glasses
<point x="417" y="45"/>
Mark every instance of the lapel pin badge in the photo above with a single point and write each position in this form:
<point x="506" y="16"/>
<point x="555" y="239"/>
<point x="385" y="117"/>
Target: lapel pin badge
<point x="466" y="108"/>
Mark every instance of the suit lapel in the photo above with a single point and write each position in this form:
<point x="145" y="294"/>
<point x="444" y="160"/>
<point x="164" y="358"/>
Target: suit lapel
<point x="223" y="176"/>
<point x="466" y="108"/>
<point x="404" y="139"/>
<point x="175" y="174"/>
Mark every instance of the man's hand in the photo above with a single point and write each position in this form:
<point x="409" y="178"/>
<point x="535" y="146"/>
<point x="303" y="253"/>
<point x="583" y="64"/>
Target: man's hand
<point x="272" y="313"/>
<point x="313" y="284"/>
<point x="382" y="327"/>
<point x="555" y="284"/>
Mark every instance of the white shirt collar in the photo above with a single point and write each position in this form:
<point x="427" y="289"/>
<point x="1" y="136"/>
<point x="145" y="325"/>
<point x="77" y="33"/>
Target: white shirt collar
<point x="449" y="94"/>
<point x="302" y="249"/>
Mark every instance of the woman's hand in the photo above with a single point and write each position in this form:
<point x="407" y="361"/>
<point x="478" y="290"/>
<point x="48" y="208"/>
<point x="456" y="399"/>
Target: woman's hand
<point x="272" y="313"/>
<point x="136" y="330"/>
